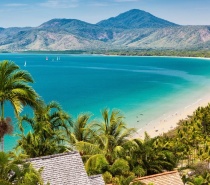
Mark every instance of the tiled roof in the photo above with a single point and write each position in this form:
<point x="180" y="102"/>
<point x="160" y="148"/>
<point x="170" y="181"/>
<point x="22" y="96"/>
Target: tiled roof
<point x="166" y="178"/>
<point x="96" y="180"/>
<point x="63" y="169"/>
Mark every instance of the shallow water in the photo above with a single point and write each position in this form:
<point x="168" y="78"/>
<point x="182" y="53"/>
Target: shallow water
<point x="147" y="86"/>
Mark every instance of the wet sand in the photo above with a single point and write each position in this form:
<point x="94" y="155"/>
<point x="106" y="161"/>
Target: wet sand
<point x="169" y="120"/>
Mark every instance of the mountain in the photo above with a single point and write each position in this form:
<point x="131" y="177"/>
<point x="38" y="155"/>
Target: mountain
<point x="179" y="37"/>
<point x="134" y="29"/>
<point x="135" y="19"/>
<point x="77" y="27"/>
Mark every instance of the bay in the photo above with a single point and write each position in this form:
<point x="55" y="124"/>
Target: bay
<point x="135" y="85"/>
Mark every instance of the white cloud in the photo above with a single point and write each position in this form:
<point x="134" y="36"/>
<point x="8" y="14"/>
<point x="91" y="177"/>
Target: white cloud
<point x="60" y="3"/>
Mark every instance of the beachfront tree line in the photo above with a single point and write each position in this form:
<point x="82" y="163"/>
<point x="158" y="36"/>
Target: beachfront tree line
<point x="105" y="144"/>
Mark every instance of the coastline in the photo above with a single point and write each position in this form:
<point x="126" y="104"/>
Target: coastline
<point x="100" y="54"/>
<point x="170" y="118"/>
<point x="157" y="112"/>
<point x="81" y="52"/>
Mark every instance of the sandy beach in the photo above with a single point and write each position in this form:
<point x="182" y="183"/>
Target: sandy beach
<point x="169" y="120"/>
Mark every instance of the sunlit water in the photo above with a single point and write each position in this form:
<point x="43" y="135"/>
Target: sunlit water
<point x="147" y="86"/>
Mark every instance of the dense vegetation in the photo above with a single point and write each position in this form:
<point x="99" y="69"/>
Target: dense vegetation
<point x="134" y="52"/>
<point x="181" y="53"/>
<point x="14" y="171"/>
<point x="105" y="145"/>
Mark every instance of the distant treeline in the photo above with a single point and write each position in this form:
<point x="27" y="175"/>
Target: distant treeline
<point x="57" y="52"/>
<point x="181" y="53"/>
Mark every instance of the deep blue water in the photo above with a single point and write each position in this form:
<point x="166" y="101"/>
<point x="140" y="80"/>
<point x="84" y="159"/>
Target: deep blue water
<point x="86" y="83"/>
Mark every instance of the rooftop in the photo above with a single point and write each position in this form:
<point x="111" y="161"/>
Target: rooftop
<point x="166" y="178"/>
<point x="96" y="179"/>
<point x="65" y="169"/>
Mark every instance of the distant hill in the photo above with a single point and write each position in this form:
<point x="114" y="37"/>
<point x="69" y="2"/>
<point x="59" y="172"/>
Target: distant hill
<point x="134" y="29"/>
<point x="77" y="27"/>
<point x="135" y="19"/>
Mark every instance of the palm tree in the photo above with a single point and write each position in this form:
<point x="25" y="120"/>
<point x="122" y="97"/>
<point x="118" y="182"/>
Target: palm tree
<point x="15" y="89"/>
<point x="53" y="115"/>
<point x="148" y="156"/>
<point x="112" y="133"/>
<point x="109" y="135"/>
<point x="14" y="171"/>
<point x="81" y="129"/>
<point x="50" y="127"/>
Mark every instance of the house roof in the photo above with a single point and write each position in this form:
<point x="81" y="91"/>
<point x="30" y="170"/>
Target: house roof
<point x="64" y="169"/>
<point x="96" y="180"/>
<point x="166" y="178"/>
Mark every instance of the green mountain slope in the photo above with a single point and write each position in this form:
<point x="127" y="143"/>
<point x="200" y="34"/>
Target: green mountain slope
<point x="133" y="29"/>
<point x="180" y="37"/>
<point x="135" y="19"/>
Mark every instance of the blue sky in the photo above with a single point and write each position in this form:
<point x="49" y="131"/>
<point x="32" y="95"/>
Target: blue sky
<point x="34" y="12"/>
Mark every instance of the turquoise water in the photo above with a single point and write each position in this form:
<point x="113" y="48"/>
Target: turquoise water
<point x="87" y="83"/>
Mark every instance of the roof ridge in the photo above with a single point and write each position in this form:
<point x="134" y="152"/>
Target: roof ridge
<point x="94" y="176"/>
<point x="155" y="175"/>
<point x="52" y="156"/>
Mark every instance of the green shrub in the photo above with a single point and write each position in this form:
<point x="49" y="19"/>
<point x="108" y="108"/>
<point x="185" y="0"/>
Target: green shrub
<point x="120" y="167"/>
<point x="115" y="181"/>
<point x="107" y="177"/>
<point x="139" y="171"/>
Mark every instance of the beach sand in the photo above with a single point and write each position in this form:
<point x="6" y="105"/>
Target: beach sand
<point x="169" y="120"/>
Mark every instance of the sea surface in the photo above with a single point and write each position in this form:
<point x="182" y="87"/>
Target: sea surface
<point x="143" y="86"/>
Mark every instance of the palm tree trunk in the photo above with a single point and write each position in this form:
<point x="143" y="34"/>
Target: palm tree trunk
<point x="2" y="110"/>
<point x="2" y="143"/>
<point x="2" y="118"/>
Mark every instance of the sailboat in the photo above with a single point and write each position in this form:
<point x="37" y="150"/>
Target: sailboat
<point x="25" y="64"/>
<point x="46" y="58"/>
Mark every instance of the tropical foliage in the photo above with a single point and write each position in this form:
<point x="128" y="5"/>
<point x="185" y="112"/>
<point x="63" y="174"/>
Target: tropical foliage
<point x="15" y="89"/>
<point x="81" y="129"/>
<point x="49" y="130"/>
<point x="106" y="145"/>
<point x="150" y="52"/>
<point x="14" y="171"/>
<point x="190" y="143"/>
<point x="119" y="158"/>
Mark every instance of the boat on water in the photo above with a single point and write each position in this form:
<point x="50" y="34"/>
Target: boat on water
<point x="25" y="64"/>
<point x="46" y="58"/>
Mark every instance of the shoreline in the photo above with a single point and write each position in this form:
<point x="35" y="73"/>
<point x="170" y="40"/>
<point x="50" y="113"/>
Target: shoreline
<point x="100" y="54"/>
<point x="169" y="119"/>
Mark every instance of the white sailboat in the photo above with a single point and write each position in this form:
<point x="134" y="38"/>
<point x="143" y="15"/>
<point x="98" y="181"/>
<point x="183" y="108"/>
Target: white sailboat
<point x="25" y="64"/>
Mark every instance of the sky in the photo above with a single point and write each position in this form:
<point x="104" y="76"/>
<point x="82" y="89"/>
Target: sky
<point x="21" y="13"/>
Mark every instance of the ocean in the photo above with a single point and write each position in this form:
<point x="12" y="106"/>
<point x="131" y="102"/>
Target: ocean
<point x="144" y="86"/>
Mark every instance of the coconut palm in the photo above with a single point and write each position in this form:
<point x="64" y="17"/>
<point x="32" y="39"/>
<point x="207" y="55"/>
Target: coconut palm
<point x="53" y="115"/>
<point x="81" y="129"/>
<point x="49" y="129"/>
<point x="148" y="156"/>
<point x="109" y="135"/>
<point x="14" y="88"/>
<point x="14" y="171"/>
<point x="112" y="133"/>
<point x="36" y="145"/>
